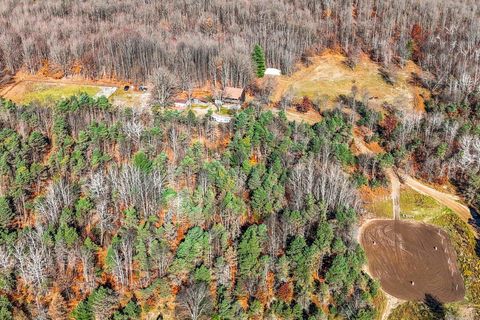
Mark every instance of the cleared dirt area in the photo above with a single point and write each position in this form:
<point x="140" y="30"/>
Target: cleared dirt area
<point x="412" y="259"/>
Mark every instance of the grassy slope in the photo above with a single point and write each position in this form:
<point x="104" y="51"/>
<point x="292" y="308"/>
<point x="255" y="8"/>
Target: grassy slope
<point x="45" y="92"/>
<point x="328" y="77"/>
<point x="413" y="205"/>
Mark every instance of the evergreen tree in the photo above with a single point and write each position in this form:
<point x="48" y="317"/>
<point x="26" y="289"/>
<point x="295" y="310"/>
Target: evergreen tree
<point x="5" y="308"/>
<point x="6" y="213"/>
<point x="259" y="60"/>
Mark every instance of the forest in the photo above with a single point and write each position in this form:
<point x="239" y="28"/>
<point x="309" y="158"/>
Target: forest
<point x="212" y="40"/>
<point x="109" y="213"/>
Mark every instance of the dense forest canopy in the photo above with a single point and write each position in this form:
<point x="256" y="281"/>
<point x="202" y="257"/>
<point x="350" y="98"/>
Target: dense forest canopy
<point x="116" y="214"/>
<point x="122" y="213"/>
<point x="213" y="39"/>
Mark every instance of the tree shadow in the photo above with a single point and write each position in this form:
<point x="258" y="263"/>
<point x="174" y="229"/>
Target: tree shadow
<point x="475" y="223"/>
<point x="435" y="306"/>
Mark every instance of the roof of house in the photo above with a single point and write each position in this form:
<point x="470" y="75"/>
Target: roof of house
<point x="180" y="100"/>
<point x="232" y="93"/>
<point x="272" y="72"/>
<point x="221" y="119"/>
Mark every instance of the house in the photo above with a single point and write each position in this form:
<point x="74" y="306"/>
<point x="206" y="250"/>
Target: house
<point x="181" y="103"/>
<point x="200" y="102"/>
<point x="233" y="95"/>
<point x="221" y="119"/>
<point x="273" y="72"/>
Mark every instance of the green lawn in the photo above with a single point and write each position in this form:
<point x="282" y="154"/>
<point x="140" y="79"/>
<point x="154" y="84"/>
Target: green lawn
<point x="381" y="208"/>
<point x="48" y="92"/>
<point x="414" y="205"/>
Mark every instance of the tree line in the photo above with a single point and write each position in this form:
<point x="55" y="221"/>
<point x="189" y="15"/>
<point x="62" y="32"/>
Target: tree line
<point x="212" y="40"/>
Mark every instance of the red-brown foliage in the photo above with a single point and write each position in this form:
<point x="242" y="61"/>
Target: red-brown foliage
<point x="285" y="292"/>
<point x="389" y="124"/>
<point x="304" y="106"/>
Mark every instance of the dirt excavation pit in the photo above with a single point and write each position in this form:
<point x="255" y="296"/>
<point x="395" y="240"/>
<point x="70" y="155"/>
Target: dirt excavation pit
<point x="412" y="260"/>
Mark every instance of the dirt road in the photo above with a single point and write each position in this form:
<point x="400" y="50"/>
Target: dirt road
<point x="391" y="175"/>
<point x="395" y="186"/>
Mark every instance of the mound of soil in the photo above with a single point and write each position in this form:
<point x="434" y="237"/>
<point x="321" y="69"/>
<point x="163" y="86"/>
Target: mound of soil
<point x="412" y="260"/>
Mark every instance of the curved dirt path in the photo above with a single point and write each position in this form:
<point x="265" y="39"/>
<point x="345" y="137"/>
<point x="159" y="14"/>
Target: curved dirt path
<point x="449" y="200"/>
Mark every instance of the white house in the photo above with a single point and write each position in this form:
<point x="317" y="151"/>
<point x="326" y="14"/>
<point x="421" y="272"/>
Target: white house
<point x="272" y="72"/>
<point x="221" y="119"/>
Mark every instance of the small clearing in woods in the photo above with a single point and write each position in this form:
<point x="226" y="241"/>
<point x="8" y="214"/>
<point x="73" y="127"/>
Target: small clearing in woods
<point x="328" y="77"/>
<point x="45" y="90"/>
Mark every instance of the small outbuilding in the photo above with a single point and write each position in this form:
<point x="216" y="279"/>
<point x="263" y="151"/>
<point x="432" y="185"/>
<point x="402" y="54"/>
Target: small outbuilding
<point x="233" y="95"/>
<point x="273" y="72"/>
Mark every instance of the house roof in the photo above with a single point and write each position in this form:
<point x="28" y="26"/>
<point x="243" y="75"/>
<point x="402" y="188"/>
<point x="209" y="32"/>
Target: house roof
<point x="232" y="93"/>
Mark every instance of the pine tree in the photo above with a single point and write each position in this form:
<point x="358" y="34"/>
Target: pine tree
<point x="259" y="60"/>
<point x="5" y="308"/>
<point x="102" y="302"/>
<point x="6" y="213"/>
<point x="82" y="312"/>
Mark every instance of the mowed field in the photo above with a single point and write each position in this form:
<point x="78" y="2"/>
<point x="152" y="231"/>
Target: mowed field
<point x="44" y="92"/>
<point x="412" y="260"/>
<point x="328" y="77"/>
<point x="49" y="91"/>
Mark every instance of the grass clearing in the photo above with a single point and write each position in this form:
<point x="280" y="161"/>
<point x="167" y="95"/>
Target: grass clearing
<point x="381" y="207"/>
<point x="328" y="77"/>
<point x="46" y="92"/>
<point x="130" y="98"/>
<point x="413" y="205"/>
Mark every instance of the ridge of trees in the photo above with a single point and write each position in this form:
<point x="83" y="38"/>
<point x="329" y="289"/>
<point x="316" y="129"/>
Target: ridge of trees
<point x="213" y="40"/>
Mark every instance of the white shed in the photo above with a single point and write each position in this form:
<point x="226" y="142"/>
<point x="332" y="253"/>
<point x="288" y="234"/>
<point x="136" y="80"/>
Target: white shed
<point x="272" y="72"/>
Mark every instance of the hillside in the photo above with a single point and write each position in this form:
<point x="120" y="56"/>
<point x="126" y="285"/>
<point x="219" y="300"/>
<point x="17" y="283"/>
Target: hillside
<point x="327" y="76"/>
